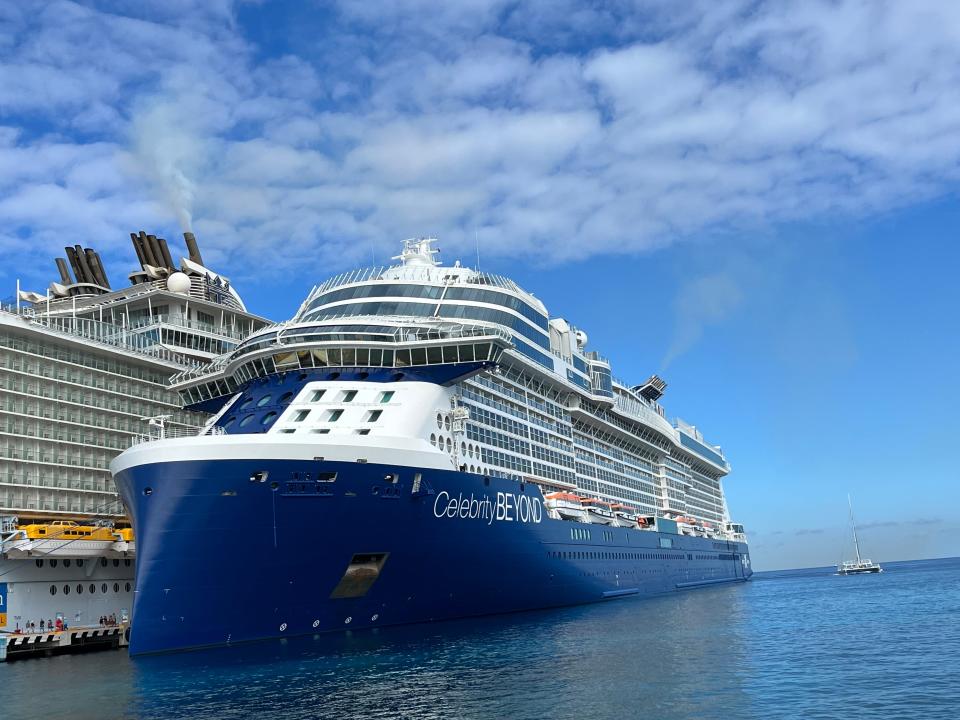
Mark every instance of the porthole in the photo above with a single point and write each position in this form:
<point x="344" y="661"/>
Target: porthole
<point x="53" y="563"/>
<point x="285" y="398"/>
<point x="246" y="420"/>
<point x="66" y="563"/>
<point x="274" y="485"/>
<point x="449" y="445"/>
<point x="269" y="417"/>
<point x="263" y="401"/>
<point x="53" y="589"/>
<point x="103" y="588"/>
<point x="38" y="563"/>
<point x="66" y="589"/>
<point x="246" y="403"/>
<point x="463" y="448"/>
<point x="433" y="439"/>
<point x="116" y="587"/>
<point x="126" y="562"/>
<point x="116" y="562"/>
<point x="229" y="421"/>
<point x="148" y="491"/>
<point x="446" y="423"/>
<point x="439" y="421"/>
<point x="80" y="562"/>
<point x="127" y="587"/>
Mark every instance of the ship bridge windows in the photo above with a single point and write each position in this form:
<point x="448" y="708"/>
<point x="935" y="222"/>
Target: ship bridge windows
<point x="428" y="292"/>
<point x="534" y="332"/>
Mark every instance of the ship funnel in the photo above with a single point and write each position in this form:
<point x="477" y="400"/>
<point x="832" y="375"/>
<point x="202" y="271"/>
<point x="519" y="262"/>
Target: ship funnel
<point x="165" y="252"/>
<point x="96" y="264"/>
<point x="139" y="250"/>
<point x="192" y="250"/>
<point x="74" y="263"/>
<point x="148" y="250"/>
<point x="64" y="271"/>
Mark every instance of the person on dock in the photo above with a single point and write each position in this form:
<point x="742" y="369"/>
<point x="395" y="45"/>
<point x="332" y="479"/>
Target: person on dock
<point x="41" y="625"/>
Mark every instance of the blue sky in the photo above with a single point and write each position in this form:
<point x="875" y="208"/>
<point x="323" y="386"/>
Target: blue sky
<point x="757" y="200"/>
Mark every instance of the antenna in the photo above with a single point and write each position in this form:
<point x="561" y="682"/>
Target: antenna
<point x="476" y="239"/>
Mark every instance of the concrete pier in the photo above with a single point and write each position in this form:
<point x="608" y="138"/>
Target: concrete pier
<point x="14" y="646"/>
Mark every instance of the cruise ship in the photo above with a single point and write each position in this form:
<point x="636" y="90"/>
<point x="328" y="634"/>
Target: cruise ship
<point x="420" y="442"/>
<point x="84" y="371"/>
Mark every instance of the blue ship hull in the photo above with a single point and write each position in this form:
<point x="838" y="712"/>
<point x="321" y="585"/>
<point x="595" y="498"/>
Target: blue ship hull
<point x="226" y="555"/>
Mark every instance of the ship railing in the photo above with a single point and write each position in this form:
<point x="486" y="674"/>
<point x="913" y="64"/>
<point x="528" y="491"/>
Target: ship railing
<point x="168" y="433"/>
<point x="313" y="335"/>
<point x="96" y="331"/>
<point x="176" y="321"/>
<point x="427" y="274"/>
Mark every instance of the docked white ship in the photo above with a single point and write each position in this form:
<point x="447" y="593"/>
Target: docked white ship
<point x="84" y="372"/>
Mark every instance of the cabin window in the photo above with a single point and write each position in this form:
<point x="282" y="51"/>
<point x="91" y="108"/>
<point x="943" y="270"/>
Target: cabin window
<point x="374" y="415"/>
<point x="348" y="395"/>
<point x="300" y="415"/>
<point x="386" y="396"/>
<point x="263" y="401"/>
<point x="316" y="395"/>
<point x="334" y="415"/>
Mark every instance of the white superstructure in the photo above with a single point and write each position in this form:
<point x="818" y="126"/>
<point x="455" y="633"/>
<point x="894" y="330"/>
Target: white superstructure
<point x="551" y="413"/>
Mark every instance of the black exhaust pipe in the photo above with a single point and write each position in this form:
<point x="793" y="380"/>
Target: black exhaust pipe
<point x="98" y="268"/>
<point x="92" y="264"/>
<point x="141" y="258"/>
<point x="74" y="263"/>
<point x="87" y="272"/>
<point x="165" y="251"/>
<point x="148" y="250"/>
<point x="192" y="249"/>
<point x="64" y="272"/>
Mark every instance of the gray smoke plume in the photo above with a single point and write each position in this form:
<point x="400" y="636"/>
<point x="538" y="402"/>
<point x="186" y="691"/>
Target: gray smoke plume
<point x="702" y="302"/>
<point x="168" y="154"/>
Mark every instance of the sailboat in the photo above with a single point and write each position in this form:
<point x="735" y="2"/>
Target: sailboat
<point x="860" y="565"/>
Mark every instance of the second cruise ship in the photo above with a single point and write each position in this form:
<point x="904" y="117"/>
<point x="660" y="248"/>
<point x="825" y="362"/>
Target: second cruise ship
<point x="420" y="442"/>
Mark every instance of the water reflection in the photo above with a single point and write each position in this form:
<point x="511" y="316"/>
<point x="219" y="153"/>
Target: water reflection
<point x="606" y="660"/>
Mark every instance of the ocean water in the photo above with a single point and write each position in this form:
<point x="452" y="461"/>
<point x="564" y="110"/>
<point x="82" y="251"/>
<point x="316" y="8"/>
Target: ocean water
<point x="796" y="644"/>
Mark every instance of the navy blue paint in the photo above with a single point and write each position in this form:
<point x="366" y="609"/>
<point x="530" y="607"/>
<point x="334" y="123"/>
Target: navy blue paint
<point x="215" y="568"/>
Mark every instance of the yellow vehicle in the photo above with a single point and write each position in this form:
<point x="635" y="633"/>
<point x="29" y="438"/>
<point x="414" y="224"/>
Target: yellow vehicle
<point x="125" y="534"/>
<point x="67" y="530"/>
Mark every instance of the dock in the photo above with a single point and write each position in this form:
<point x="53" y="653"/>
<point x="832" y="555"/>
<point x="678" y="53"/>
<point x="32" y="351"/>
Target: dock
<point x="14" y="646"/>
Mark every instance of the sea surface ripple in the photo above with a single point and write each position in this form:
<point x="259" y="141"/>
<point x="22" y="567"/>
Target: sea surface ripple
<point x="796" y="644"/>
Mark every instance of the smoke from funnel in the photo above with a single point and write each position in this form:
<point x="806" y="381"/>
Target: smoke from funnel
<point x="700" y="303"/>
<point x="167" y="154"/>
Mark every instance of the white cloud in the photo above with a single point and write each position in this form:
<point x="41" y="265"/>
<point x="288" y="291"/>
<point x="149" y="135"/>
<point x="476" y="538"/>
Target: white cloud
<point x="648" y="125"/>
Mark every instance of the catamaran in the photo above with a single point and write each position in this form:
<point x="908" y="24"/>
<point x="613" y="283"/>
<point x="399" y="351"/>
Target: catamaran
<point x="860" y="565"/>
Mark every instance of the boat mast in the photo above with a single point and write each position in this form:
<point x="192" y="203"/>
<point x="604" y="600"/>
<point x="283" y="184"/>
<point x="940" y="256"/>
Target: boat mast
<point x="856" y="543"/>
